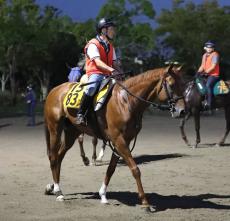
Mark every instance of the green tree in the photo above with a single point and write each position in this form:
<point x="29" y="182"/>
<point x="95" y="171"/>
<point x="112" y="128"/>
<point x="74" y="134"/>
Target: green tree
<point x="184" y="29"/>
<point x="15" y="34"/>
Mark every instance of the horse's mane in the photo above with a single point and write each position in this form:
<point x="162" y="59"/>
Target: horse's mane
<point x="145" y="76"/>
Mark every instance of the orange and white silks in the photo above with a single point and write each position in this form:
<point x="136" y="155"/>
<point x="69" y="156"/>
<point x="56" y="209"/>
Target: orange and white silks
<point x="207" y="62"/>
<point x="107" y="58"/>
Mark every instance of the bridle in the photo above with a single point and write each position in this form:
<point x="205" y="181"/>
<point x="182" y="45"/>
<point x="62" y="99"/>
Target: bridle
<point x="171" y="100"/>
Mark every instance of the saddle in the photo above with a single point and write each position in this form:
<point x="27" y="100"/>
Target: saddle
<point x="73" y="97"/>
<point x="220" y="88"/>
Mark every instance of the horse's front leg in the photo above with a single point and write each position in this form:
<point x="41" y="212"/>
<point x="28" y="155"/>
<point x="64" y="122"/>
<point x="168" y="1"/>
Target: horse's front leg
<point x="182" y="123"/>
<point x="124" y="152"/>
<point x="197" y="126"/>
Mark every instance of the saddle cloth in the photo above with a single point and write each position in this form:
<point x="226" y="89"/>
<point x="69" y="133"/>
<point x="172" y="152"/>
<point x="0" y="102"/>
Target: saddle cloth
<point x="220" y="88"/>
<point x="74" y="95"/>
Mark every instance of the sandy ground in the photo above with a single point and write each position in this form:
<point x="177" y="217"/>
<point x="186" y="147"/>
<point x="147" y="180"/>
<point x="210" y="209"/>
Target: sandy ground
<point x="180" y="182"/>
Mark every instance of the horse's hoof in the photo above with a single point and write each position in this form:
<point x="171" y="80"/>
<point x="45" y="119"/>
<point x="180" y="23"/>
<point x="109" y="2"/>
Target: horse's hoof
<point x="49" y="189"/>
<point x="93" y="163"/>
<point x="220" y="144"/>
<point x="104" y="200"/>
<point x="194" y="146"/>
<point x="86" y="161"/>
<point x="148" y="209"/>
<point x="60" y="198"/>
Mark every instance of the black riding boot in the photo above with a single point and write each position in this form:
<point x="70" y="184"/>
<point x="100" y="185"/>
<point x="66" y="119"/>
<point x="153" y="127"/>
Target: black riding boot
<point x="83" y="108"/>
<point x="207" y="103"/>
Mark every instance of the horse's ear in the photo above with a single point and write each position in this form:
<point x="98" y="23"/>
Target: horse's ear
<point x="169" y="68"/>
<point x="178" y="71"/>
<point x="179" y="68"/>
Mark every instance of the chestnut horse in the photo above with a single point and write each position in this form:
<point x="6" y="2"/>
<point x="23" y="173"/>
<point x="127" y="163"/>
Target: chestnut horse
<point x="118" y="122"/>
<point x="193" y="100"/>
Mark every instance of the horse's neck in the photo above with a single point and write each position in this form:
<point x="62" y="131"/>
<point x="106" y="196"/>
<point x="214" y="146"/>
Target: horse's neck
<point x="191" y="94"/>
<point x="144" y="87"/>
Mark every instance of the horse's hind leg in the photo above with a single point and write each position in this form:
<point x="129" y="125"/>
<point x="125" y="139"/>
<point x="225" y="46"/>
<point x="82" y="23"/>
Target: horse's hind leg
<point x="54" y="144"/>
<point x="84" y="158"/>
<point x="56" y="152"/>
<point x="227" y="119"/>
<point x="101" y="153"/>
<point x="94" y="156"/>
<point x="110" y="170"/>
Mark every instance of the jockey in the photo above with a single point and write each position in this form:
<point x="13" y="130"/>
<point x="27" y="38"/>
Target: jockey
<point x="100" y="62"/>
<point x="210" y="67"/>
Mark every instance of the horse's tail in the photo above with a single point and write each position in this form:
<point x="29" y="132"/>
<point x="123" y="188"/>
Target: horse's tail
<point x="47" y="135"/>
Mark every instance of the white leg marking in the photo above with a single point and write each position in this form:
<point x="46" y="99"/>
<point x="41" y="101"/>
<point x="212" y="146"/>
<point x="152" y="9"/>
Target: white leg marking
<point x="101" y="154"/>
<point x="58" y="189"/>
<point x="102" y="193"/>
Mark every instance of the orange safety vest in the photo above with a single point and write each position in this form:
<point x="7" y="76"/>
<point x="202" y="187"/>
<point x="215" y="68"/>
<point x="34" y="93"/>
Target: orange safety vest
<point x="207" y="62"/>
<point x="107" y="58"/>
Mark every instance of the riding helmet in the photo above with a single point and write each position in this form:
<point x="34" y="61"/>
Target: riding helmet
<point x="104" y="23"/>
<point x="209" y="44"/>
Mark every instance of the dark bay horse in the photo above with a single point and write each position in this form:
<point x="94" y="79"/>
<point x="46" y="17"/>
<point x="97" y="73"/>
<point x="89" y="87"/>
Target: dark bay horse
<point x="193" y="100"/>
<point x="119" y="122"/>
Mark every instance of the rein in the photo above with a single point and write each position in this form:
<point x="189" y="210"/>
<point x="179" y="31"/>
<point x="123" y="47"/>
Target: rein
<point x="171" y="100"/>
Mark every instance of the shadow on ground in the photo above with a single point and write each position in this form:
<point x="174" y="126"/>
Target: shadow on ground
<point x="4" y="125"/>
<point x="145" y="159"/>
<point x="159" y="202"/>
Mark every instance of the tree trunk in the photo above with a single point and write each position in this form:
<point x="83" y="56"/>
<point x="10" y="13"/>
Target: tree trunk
<point x="4" y="79"/>
<point x="44" y="84"/>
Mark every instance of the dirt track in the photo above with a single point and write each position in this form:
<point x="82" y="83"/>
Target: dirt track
<point x="181" y="183"/>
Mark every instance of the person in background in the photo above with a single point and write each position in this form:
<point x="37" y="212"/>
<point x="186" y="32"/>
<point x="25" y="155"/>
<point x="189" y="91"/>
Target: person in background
<point x="31" y="103"/>
<point x="100" y="62"/>
<point x="210" y="67"/>
<point x="75" y="74"/>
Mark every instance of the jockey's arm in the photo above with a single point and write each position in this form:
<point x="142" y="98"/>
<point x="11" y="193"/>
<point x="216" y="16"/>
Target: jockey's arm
<point x="212" y="67"/>
<point x="103" y="66"/>
<point x="201" y="69"/>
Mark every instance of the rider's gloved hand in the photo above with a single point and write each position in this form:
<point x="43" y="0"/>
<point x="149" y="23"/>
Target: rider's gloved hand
<point x="115" y="73"/>
<point x="201" y="74"/>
